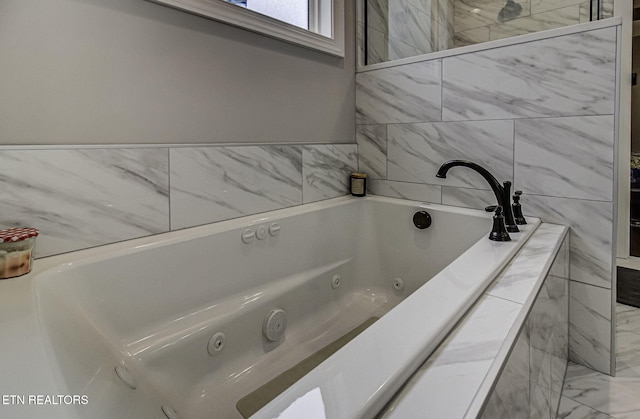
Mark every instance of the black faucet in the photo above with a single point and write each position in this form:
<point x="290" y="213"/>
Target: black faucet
<point x="502" y="192"/>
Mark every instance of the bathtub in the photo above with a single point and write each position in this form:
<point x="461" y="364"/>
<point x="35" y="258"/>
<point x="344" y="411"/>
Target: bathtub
<point x="176" y="325"/>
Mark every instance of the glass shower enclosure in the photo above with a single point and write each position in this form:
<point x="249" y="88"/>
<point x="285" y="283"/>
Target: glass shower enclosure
<point x="396" y="29"/>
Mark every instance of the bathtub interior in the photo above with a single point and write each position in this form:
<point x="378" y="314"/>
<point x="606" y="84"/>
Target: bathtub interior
<point x="154" y="306"/>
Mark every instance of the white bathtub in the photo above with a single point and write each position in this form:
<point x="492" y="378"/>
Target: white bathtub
<point x="152" y="305"/>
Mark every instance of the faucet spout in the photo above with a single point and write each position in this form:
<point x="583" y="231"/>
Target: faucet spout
<point x="502" y="192"/>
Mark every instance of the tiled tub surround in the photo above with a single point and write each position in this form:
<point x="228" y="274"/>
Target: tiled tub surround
<point x="507" y="357"/>
<point x="538" y="110"/>
<point x="81" y="197"/>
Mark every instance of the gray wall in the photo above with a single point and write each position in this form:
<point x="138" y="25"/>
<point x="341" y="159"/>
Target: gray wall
<point x="123" y="71"/>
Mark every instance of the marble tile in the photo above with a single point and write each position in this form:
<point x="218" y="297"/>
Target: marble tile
<point x="508" y="82"/>
<point x="558" y="347"/>
<point x="540" y="322"/>
<point x="538" y="6"/>
<point x="558" y="370"/>
<point x="460" y="369"/>
<point x="590" y="326"/>
<point x="467" y="198"/>
<point x="399" y="49"/>
<point x="558" y="292"/>
<point x="560" y="266"/>
<point x="585" y="12"/>
<point x="416" y="151"/>
<point x="326" y="170"/>
<point x="377" y="48"/>
<point x="85" y="197"/>
<point x="571" y="409"/>
<point x="444" y="19"/>
<point x="520" y="277"/>
<point x="372" y="150"/>
<point x="411" y="25"/>
<point x="606" y="9"/>
<point x="627" y="318"/>
<point x="540" y="402"/>
<point x="569" y="157"/>
<point x="472" y="36"/>
<point x="511" y="396"/>
<point x="627" y="354"/>
<point x="413" y="191"/>
<point x="536" y="23"/>
<point x="591" y="243"/>
<point x="470" y="14"/>
<point x="409" y="93"/>
<point x="378" y="14"/>
<point x="614" y="396"/>
<point x="210" y="184"/>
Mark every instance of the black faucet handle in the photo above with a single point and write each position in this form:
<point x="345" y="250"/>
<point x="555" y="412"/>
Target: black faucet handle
<point x="491" y="208"/>
<point x="517" y="209"/>
<point x="516" y="196"/>
<point x="499" y="232"/>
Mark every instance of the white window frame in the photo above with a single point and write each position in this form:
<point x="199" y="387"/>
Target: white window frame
<point x="326" y="22"/>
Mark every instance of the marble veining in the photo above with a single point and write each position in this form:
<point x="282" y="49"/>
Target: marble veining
<point x="511" y="396"/>
<point x="618" y="397"/>
<point x="327" y="170"/>
<point x="211" y="184"/>
<point x="467" y="198"/>
<point x="519" y="278"/>
<point x="571" y="409"/>
<point x="569" y="157"/>
<point x="405" y="190"/>
<point x="591" y="394"/>
<point x="590" y="326"/>
<point x="471" y="36"/>
<point x="372" y="150"/>
<point x="591" y="258"/>
<point x="416" y="151"/>
<point x="411" y="25"/>
<point x="543" y="78"/>
<point x="85" y="197"/>
<point x="457" y="378"/>
<point x="459" y="369"/>
<point x="536" y="23"/>
<point x="418" y="85"/>
<point x="560" y="266"/>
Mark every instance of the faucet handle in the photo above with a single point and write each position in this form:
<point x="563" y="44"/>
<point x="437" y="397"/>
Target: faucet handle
<point x="491" y="208"/>
<point x="516" y="196"/>
<point x="517" y="209"/>
<point x="499" y="232"/>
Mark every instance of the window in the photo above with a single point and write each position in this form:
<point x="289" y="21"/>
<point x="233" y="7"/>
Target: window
<point x="316" y="24"/>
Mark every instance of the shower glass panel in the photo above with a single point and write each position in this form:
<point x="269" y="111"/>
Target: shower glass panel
<point x="396" y="29"/>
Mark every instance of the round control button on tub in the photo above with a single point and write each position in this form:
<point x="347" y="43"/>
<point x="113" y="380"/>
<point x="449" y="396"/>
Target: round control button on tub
<point x="274" y="229"/>
<point x="248" y="235"/>
<point x="261" y="232"/>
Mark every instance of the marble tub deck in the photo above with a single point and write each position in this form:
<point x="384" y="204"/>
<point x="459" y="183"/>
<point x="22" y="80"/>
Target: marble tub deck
<point x="590" y="394"/>
<point x="458" y="378"/>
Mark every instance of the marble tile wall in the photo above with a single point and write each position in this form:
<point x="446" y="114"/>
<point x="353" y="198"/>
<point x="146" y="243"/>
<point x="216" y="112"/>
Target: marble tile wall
<point x="85" y="196"/>
<point x="540" y="113"/>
